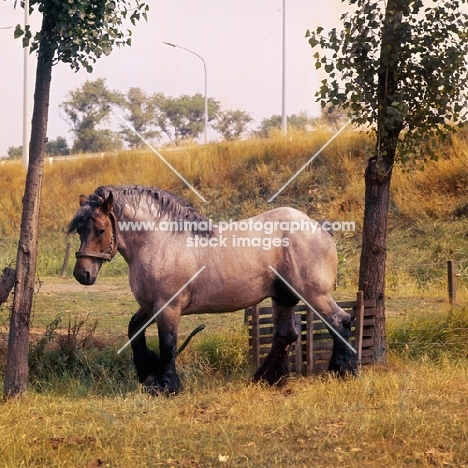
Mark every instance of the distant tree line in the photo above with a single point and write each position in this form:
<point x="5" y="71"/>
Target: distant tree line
<point x="57" y="147"/>
<point x="157" y="118"/>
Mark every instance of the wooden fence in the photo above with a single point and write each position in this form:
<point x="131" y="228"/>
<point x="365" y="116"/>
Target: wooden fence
<point x="313" y="348"/>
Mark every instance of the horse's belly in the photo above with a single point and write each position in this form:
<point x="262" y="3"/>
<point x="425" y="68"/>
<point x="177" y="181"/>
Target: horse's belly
<point x="227" y="297"/>
<point x="223" y="305"/>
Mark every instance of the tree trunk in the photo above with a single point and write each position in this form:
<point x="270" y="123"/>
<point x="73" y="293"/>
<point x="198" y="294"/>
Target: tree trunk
<point x="379" y="173"/>
<point x="374" y="253"/>
<point x="17" y="370"/>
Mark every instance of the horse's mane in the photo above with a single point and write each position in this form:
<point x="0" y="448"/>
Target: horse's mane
<point x="165" y="203"/>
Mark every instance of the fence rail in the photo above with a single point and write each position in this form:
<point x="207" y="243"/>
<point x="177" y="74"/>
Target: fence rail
<point x="312" y="350"/>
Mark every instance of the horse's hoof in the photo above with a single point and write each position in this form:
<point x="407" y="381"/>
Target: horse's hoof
<point x="271" y="376"/>
<point x="342" y="368"/>
<point x="155" y="388"/>
<point x="158" y="390"/>
<point x="344" y="373"/>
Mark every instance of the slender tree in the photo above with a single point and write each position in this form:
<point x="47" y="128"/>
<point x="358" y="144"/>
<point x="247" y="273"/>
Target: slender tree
<point x="272" y="125"/>
<point x="232" y="124"/>
<point x="87" y="109"/>
<point x="142" y="112"/>
<point x="57" y="147"/>
<point x="77" y="33"/>
<point x="400" y="67"/>
<point x="182" y="118"/>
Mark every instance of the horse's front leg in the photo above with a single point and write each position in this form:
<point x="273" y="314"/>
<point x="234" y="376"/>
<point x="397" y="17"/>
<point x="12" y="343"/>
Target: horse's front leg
<point x="167" y="379"/>
<point x="156" y="372"/>
<point x="147" y="362"/>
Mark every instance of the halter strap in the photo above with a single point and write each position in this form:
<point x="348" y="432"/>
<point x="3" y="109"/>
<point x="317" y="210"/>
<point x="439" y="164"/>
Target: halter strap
<point x="107" y="257"/>
<point x="103" y="256"/>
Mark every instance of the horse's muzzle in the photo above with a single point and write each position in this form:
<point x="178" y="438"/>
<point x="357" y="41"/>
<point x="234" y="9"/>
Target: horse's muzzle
<point x="86" y="270"/>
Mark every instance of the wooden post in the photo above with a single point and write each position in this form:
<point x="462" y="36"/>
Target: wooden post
<point x="298" y="344"/>
<point x="309" y="342"/>
<point x="452" y="283"/>
<point x="256" y="336"/>
<point x="7" y="281"/>
<point x="65" y="260"/>
<point x="359" y="325"/>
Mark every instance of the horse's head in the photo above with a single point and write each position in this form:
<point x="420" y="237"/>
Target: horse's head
<point x="96" y="226"/>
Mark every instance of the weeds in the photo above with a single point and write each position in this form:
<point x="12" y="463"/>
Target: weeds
<point x="430" y="336"/>
<point x="77" y="337"/>
<point x="76" y="362"/>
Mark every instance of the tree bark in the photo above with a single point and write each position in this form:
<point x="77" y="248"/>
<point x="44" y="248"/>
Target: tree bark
<point x="374" y="253"/>
<point x="378" y="176"/>
<point x="17" y="370"/>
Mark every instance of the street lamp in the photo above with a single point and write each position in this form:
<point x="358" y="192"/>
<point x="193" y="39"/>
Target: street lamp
<point x="25" y="89"/>
<point x="284" y="123"/>
<point x="206" y="82"/>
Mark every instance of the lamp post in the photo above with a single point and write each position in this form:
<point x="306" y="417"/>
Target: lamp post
<point x="284" y="123"/>
<point x="206" y="83"/>
<point x="26" y="131"/>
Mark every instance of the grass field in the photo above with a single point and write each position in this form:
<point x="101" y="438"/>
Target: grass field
<point x="84" y="407"/>
<point x="409" y="414"/>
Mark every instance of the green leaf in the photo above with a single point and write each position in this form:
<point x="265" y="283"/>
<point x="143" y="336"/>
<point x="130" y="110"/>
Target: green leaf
<point x="18" y="31"/>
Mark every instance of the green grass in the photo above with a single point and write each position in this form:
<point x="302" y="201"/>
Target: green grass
<point x="410" y="414"/>
<point x="84" y="407"/>
<point x="89" y="411"/>
<point x="430" y="335"/>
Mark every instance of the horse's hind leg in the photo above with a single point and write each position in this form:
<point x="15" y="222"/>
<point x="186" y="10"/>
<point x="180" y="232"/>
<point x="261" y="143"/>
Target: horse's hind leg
<point x="275" y="368"/>
<point x="147" y="362"/>
<point x="343" y="360"/>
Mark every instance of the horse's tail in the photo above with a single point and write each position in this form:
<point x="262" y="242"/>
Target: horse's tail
<point x="187" y="340"/>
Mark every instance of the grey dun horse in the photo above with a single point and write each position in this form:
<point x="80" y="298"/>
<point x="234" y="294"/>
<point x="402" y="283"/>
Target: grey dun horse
<point x="237" y="273"/>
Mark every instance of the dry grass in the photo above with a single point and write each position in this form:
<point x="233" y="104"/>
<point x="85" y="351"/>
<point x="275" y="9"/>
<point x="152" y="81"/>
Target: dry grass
<point x="89" y="412"/>
<point x="238" y="178"/>
<point x="409" y="414"/>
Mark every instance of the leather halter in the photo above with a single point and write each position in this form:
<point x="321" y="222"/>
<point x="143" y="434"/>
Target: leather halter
<point x="111" y="249"/>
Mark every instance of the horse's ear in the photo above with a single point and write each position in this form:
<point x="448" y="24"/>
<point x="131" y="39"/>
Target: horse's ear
<point x="108" y="203"/>
<point x="83" y="200"/>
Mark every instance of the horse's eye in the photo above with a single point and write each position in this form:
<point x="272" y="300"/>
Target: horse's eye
<point x="101" y="232"/>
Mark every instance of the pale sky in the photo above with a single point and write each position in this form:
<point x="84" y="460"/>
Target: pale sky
<point x="240" y="41"/>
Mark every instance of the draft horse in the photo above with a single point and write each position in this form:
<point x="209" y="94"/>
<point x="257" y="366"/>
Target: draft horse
<point x="130" y="220"/>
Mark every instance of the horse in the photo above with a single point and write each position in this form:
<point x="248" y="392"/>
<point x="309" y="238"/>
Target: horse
<point x="166" y="241"/>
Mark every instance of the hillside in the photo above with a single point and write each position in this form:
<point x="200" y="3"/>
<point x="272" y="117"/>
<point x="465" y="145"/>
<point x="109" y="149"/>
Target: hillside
<point x="428" y="213"/>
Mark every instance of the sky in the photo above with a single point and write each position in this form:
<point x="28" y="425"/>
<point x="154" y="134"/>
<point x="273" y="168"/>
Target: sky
<point x="240" y="41"/>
